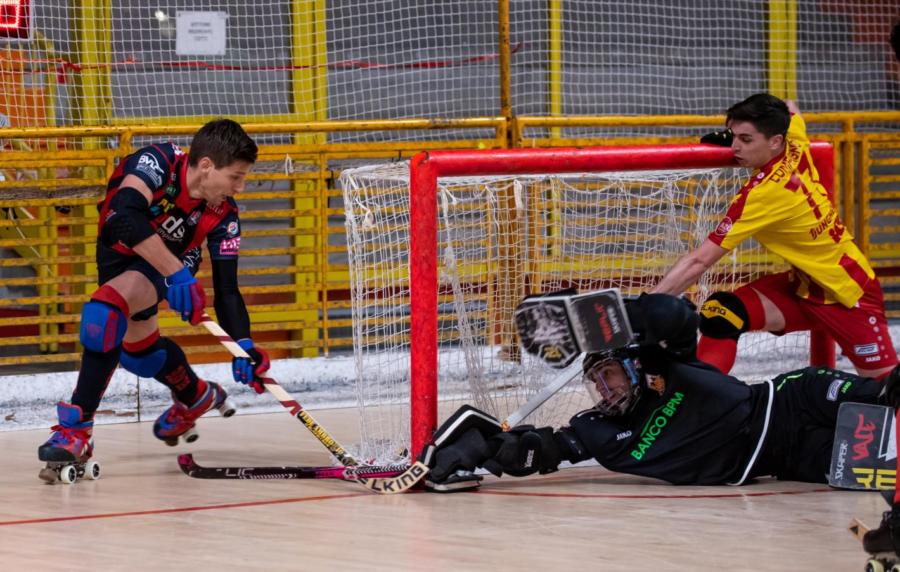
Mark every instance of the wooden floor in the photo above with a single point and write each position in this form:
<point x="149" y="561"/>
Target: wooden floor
<point x="144" y="514"/>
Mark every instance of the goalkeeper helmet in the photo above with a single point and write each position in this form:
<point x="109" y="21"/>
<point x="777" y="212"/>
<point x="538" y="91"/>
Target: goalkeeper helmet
<point x="613" y="380"/>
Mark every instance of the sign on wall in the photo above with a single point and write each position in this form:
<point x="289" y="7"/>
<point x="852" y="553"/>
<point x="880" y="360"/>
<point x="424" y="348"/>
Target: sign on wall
<point x="200" y="33"/>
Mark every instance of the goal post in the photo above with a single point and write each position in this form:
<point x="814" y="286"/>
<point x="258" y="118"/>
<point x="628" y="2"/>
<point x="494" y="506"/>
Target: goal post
<point x="427" y="167"/>
<point x="443" y="247"/>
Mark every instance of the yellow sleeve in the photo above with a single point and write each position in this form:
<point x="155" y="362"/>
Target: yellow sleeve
<point x="797" y="130"/>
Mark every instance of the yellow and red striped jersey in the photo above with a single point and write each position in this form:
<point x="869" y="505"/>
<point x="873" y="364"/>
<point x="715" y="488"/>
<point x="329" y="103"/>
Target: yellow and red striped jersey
<point x="786" y="209"/>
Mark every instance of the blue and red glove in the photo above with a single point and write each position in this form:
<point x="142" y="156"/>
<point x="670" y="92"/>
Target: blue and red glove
<point x="186" y="296"/>
<point x="246" y="371"/>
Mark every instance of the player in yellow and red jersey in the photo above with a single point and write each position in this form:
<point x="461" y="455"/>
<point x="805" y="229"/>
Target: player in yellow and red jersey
<point x="830" y="286"/>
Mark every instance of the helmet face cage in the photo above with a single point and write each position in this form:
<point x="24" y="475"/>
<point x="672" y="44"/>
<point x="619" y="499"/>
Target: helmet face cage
<point x="613" y="400"/>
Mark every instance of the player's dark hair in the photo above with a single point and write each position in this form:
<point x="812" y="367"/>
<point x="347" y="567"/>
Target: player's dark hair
<point x="766" y="112"/>
<point x="895" y="40"/>
<point x="224" y="141"/>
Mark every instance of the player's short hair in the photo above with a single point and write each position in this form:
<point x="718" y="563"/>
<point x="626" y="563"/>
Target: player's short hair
<point x="895" y="40"/>
<point x="224" y="141"/>
<point x="766" y="112"/>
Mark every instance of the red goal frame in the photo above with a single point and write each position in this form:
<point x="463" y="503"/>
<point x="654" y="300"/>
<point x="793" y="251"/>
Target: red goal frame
<point x="426" y="167"/>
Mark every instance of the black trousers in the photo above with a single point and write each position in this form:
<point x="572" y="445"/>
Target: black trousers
<point x="804" y="415"/>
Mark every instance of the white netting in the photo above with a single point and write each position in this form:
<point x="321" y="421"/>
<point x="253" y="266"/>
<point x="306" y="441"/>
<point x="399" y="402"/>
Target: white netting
<point x="503" y="237"/>
<point x="96" y="62"/>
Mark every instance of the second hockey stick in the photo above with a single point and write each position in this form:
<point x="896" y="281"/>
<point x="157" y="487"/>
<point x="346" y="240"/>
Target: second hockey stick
<point x="191" y="468"/>
<point x="552" y="388"/>
<point x="282" y="396"/>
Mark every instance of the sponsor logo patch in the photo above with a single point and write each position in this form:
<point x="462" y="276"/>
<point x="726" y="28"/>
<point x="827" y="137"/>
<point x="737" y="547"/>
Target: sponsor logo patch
<point x="171" y="228"/>
<point x="195" y="216"/>
<point x="833" y="390"/>
<point x="148" y="165"/>
<point x="866" y="349"/>
<point x="841" y="460"/>
<point x="232" y="228"/>
<point x="230" y="247"/>
<point x="623" y="435"/>
<point x="657" y="383"/>
<point x="724" y="226"/>
<point x="864" y="435"/>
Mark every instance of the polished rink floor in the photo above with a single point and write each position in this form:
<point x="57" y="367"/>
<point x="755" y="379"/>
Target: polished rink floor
<point x="144" y="514"/>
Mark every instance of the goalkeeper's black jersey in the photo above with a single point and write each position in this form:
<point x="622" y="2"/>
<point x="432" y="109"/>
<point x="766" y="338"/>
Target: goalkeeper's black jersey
<point x="698" y="427"/>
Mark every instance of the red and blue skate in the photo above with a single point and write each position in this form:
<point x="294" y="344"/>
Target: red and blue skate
<point x="69" y="449"/>
<point x="178" y="421"/>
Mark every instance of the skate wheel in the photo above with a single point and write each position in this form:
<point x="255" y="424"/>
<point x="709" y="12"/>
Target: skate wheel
<point x="190" y="435"/>
<point x="227" y="409"/>
<point x="92" y="470"/>
<point x="68" y="474"/>
<point x="874" y="566"/>
<point x="895" y="567"/>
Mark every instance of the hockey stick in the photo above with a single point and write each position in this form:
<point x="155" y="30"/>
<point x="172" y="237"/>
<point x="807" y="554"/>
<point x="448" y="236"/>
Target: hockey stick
<point x="419" y="470"/>
<point x="192" y="469"/>
<point x="282" y="396"/>
<point x="386" y="485"/>
<point x="561" y="380"/>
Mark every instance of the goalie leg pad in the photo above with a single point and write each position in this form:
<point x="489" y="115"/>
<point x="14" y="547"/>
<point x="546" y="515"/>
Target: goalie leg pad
<point x="460" y="443"/>
<point x="724" y="316"/>
<point x="544" y="331"/>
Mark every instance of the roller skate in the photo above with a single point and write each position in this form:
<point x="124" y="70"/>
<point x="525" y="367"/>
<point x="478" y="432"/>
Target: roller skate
<point x="177" y="422"/>
<point x="883" y="544"/>
<point x="68" y="451"/>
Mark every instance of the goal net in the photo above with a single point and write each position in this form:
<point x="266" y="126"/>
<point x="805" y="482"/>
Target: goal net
<point x="436" y="274"/>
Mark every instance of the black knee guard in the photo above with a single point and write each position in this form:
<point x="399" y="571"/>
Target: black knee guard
<point x="724" y="316"/>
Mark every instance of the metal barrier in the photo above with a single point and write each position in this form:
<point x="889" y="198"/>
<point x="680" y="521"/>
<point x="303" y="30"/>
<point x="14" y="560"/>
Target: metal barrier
<point x="293" y="264"/>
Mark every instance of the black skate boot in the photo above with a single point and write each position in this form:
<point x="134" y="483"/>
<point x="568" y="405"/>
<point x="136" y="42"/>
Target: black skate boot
<point x="883" y="544"/>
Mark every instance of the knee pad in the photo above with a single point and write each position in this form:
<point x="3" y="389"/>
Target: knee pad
<point x="145" y="358"/>
<point x="103" y="326"/>
<point x="724" y="316"/>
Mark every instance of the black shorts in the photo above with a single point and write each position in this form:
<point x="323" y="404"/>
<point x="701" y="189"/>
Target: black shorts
<point x="112" y="263"/>
<point x="804" y="416"/>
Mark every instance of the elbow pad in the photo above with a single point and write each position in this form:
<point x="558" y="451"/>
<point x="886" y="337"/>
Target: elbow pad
<point x="127" y="218"/>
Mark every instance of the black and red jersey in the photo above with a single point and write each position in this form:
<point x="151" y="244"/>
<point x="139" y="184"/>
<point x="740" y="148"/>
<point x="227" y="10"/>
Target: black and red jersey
<point x="182" y="222"/>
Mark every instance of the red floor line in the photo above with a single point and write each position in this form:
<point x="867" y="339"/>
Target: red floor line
<point x="484" y="491"/>
<point x="180" y="509"/>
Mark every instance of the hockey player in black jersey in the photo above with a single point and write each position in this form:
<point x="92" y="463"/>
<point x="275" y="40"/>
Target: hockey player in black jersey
<point x="160" y="206"/>
<point x="662" y="413"/>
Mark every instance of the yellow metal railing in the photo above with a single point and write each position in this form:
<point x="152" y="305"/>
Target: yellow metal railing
<point x="292" y="189"/>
